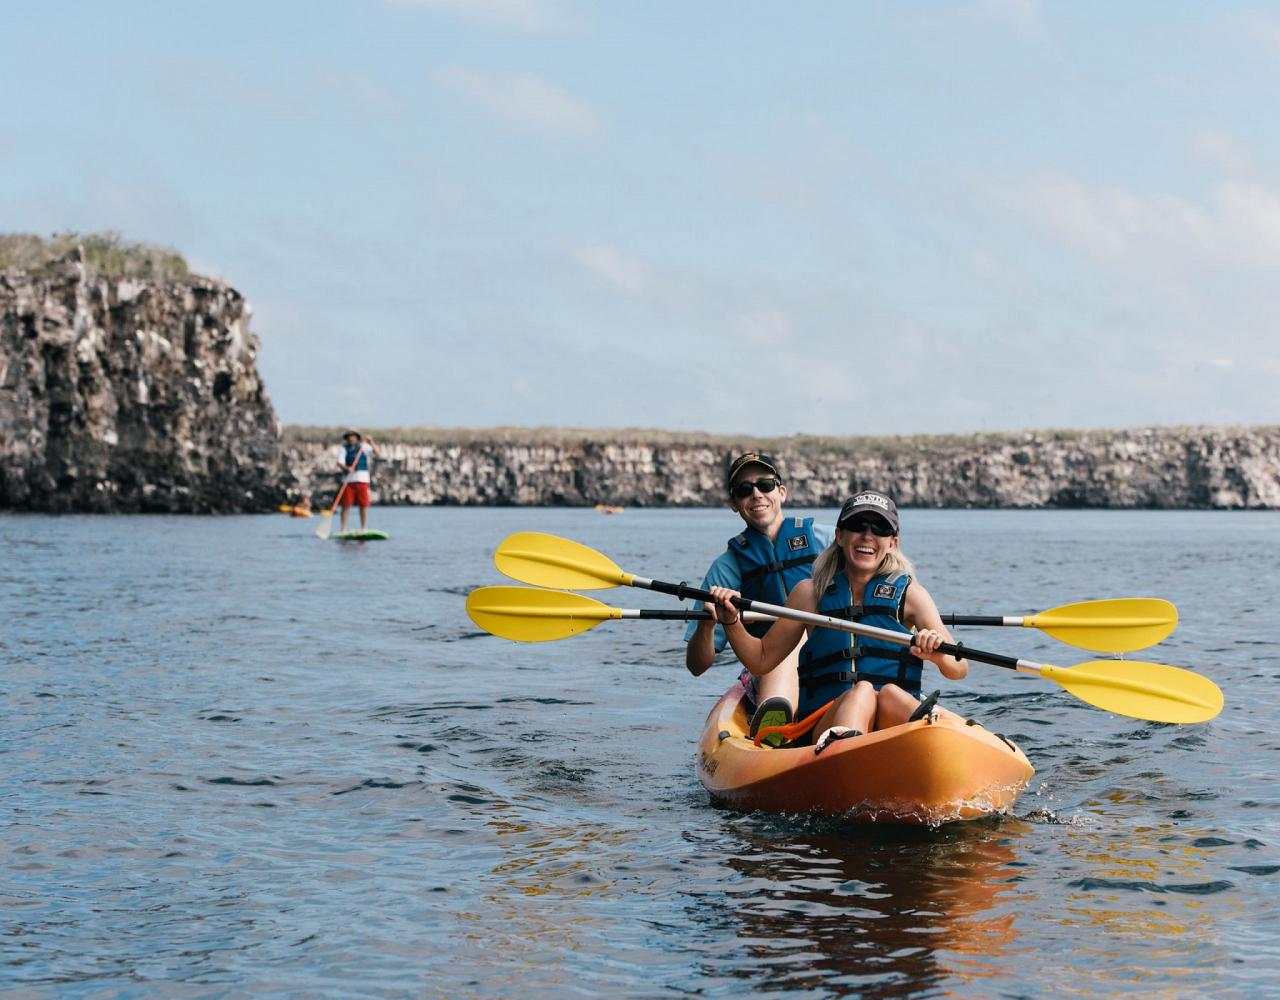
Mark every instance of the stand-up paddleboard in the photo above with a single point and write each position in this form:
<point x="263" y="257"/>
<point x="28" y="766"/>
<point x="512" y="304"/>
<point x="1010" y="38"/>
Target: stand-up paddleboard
<point x="359" y="536"/>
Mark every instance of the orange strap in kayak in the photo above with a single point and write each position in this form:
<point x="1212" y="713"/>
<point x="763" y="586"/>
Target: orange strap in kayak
<point x="793" y="730"/>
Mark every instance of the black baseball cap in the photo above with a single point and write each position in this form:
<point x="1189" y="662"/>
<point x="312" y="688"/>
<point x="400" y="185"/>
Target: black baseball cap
<point x="869" y="502"/>
<point x="752" y="458"/>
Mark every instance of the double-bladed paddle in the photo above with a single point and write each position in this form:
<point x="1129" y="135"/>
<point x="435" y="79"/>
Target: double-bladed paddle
<point x="1151" y="691"/>
<point x="1120" y="625"/>
<point x="1103" y="629"/>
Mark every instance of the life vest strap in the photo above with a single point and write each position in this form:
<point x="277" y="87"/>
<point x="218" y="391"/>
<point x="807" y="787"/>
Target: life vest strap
<point x="849" y="677"/>
<point x="905" y="659"/>
<point x="775" y="567"/>
<point x="848" y="653"/>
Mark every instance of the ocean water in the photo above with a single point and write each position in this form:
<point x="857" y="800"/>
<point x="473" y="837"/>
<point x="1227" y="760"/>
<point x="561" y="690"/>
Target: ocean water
<point x="239" y="761"/>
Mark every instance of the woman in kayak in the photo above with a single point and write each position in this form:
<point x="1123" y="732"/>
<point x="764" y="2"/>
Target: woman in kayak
<point x="865" y="683"/>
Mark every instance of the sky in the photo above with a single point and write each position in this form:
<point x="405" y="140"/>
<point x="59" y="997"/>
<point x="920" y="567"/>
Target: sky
<point x="738" y="218"/>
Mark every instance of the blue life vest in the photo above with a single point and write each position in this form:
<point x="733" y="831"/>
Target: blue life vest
<point x="771" y="569"/>
<point x="831" y="662"/>
<point x="352" y="450"/>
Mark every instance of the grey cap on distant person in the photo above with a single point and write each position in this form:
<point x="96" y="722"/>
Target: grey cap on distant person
<point x="752" y="458"/>
<point x="350" y="433"/>
<point x="869" y="502"/>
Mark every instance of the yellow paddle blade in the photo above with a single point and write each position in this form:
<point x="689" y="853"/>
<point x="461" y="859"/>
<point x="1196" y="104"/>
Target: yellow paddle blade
<point x="1151" y="691"/>
<point x="1115" y="626"/>
<point x="529" y="615"/>
<point x="552" y="561"/>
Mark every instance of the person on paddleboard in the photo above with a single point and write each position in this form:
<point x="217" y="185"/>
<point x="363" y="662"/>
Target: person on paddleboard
<point x="765" y="562"/>
<point x="357" y="453"/>
<point x="863" y="576"/>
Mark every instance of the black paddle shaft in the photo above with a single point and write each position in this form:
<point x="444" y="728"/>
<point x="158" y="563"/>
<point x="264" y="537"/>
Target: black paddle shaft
<point x="684" y="591"/>
<point x="972" y="620"/>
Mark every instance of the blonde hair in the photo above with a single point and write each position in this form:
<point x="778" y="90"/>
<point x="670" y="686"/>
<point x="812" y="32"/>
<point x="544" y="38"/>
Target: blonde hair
<point x="831" y="561"/>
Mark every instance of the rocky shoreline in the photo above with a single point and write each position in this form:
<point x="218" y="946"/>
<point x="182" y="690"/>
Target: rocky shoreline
<point x="1153" y="468"/>
<point x="121" y="393"/>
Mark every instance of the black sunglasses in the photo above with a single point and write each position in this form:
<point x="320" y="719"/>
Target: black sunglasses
<point x="743" y="489"/>
<point x="879" y="528"/>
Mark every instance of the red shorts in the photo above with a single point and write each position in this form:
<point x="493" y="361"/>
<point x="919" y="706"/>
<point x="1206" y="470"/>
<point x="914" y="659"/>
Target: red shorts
<point x="355" y="493"/>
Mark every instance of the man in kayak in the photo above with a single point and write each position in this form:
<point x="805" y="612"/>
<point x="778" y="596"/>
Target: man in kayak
<point x="764" y="562"/>
<point x="862" y="576"/>
<point x="356" y="455"/>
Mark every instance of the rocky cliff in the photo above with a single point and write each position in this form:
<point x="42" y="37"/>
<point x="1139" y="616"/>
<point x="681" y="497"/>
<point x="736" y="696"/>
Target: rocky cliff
<point x="1224" y="468"/>
<point x="125" y="394"/>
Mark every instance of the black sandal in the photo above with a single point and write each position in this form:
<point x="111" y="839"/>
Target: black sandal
<point x="925" y="707"/>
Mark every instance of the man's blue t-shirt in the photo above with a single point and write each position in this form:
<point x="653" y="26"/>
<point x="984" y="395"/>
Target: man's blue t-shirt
<point x="724" y="572"/>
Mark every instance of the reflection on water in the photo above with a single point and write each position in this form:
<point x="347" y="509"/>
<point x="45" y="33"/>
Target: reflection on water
<point x="829" y="907"/>
<point x="1135" y="902"/>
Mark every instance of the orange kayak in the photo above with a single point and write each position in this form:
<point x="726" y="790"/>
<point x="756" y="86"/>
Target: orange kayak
<point x="925" y="772"/>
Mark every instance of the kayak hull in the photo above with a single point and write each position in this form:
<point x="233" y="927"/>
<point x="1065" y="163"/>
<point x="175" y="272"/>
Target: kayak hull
<point x="922" y="773"/>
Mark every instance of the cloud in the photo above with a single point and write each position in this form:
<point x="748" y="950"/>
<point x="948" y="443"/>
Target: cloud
<point x="522" y="98"/>
<point x="362" y="95"/>
<point x="1220" y="150"/>
<point x="1240" y="227"/>
<point x="532" y="16"/>
<point x="1257" y="28"/>
<point x="988" y="267"/>
<point x="624" y="273"/>
<point x="764" y="327"/>
<point x="1103" y="222"/>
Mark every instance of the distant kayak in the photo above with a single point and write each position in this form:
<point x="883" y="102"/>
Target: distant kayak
<point x="359" y="536"/>
<point x="926" y="772"/>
